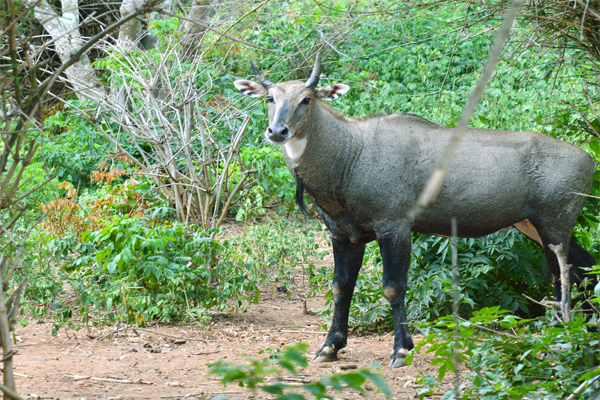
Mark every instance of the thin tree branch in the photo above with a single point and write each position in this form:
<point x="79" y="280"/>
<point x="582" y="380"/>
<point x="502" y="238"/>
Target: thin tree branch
<point x="434" y="184"/>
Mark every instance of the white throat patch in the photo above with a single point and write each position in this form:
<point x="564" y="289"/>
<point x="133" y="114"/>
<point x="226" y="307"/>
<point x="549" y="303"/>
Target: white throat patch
<point x="295" y="147"/>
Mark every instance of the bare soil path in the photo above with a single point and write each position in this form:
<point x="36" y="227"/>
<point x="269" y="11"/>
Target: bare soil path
<point x="169" y="362"/>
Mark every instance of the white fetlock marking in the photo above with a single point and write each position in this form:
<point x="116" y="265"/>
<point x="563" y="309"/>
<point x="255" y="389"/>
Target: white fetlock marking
<point x="328" y="350"/>
<point x="403" y="351"/>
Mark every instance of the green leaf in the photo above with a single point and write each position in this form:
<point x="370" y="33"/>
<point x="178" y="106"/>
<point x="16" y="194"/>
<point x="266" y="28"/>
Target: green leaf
<point x="111" y="267"/>
<point x="317" y="389"/>
<point x="378" y="381"/>
<point x="442" y="372"/>
<point x="275" y="388"/>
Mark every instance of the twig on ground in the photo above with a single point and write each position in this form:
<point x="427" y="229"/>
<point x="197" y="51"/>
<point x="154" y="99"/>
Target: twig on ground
<point x="312" y="332"/>
<point x="93" y="378"/>
<point x="86" y="354"/>
<point x="169" y="336"/>
<point x="78" y="377"/>
<point x="107" y="334"/>
<point x="171" y="396"/>
<point x="203" y="353"/>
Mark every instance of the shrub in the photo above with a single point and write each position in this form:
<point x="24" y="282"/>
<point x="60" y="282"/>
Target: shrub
<point x="493" y="270"/>
<point x="135" y="270"/>
<point x="139" y="268"/>
<point x="505" y="357"/>
<point x="254" y="376"/>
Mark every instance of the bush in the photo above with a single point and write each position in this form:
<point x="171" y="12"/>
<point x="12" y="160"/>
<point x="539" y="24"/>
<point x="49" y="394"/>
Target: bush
<point x="276" y="250"/>
<point x="254" y="375"/>
<point x="141" y="268"/>
<point x="493" y="270"/>
<point x="505" y="357"/>
<point x="274" y="180"/>
<point x="74" y="152"/>
<point x="135" y="270"/>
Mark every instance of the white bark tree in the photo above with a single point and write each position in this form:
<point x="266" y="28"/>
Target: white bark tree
<point x="154" y="102"/>
<point x="64" y="31"/>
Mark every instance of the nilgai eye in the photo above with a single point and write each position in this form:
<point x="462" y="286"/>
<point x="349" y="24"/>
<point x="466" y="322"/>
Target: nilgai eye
<point x="270" y="98"/>
<point x="305" y="101"/>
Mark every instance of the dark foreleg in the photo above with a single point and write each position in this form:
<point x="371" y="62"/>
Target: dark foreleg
<point x="348" y="259"/>
<point x="395" y="251"/>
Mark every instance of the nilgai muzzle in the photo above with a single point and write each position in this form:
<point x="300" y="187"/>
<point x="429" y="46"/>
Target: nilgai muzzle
<point x="364" y="176"/>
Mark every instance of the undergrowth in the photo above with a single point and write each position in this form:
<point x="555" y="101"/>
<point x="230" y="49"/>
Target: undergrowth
<point x="505" y="357"/>
<point x="493" y="270"/>
<point x="255" y="373"/>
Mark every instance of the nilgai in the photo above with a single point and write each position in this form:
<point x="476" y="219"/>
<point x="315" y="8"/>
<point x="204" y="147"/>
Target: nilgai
<point x="364" y="175"/>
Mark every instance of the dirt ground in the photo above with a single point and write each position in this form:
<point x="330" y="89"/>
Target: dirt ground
<point x="169" y="362"/>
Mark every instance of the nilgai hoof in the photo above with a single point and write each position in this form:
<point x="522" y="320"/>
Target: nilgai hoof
<point x="398" y="362"/>
<point x="326" y="354"/>
<point x="399" y="359"/>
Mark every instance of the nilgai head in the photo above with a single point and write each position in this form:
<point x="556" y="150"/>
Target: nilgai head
<point x="290" y="103"/>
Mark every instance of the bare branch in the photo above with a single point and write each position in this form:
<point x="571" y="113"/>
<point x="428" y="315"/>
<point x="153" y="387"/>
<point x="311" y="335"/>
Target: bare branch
<point x="565" y="283"/>
<point x="214" y="30"/>
<point x="434" y="184"/>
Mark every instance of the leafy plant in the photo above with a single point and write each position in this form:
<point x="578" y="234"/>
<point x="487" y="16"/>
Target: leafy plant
<point x="491" y="272"/>
<point x="281" y="245"/>
<point x="254" y="375"/>
<point x="136" y="270"/>
<point x="511" y="358"/>
<point x="274" y="179"/>
<point x="73" y="149"/>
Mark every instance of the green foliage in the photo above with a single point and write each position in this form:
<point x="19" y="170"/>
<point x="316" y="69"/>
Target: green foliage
<point x="254" y="374"/>
<point x="510" y="358"/>
<point x="493" y="270"/>
<point x="74" y="153"/>
<point x="138" y="269"/>
<point x="281" y="245"/>
<point x="34" y="177"/>
<point x="44" y="285"/>
<point x="135" y="270"/>
<point x="272" y="175"/>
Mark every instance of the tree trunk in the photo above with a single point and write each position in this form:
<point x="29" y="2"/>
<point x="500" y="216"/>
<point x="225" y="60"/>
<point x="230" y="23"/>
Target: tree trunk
<point x="64" y="30"/>
<point x="202" y="11"/>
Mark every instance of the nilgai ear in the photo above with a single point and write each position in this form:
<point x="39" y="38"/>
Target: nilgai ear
<point x="332" y="92"/>
<point x="250" y="88"/>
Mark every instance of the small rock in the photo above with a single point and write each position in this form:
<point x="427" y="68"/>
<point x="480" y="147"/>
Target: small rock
<point x="282" y="289"/>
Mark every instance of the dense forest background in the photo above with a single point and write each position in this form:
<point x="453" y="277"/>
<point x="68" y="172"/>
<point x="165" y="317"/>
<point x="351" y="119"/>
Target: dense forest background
<point x="142" y="153"/>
